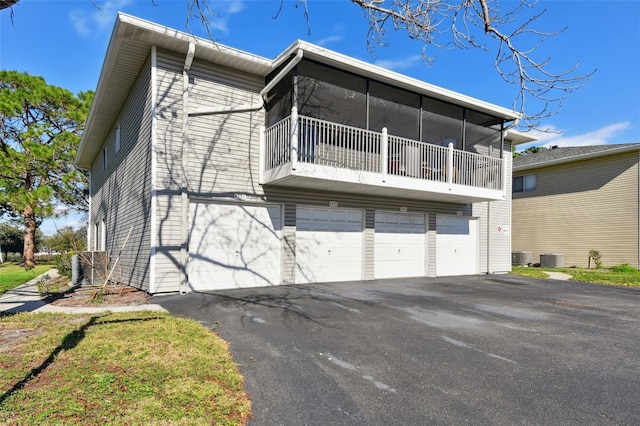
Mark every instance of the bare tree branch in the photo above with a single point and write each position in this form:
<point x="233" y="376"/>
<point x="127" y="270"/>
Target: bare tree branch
<point x="200" y="11"/>
<point x="508" y="31"/>
<point x="8" y="4"/>
<point x="475" y="23"/>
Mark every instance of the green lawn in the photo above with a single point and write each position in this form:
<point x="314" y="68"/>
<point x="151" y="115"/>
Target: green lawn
<point x="118" y="369"/>
<point x="621" y="275"/>
<point x="12" y="275"/>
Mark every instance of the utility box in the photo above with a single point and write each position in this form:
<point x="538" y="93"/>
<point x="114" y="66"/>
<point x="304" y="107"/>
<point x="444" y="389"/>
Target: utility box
<point x="520" y="258"/>
<point x="552" y="260"/>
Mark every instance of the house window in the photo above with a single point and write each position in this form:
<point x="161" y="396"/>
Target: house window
<point x="117" y="138"/>
<point x="524" y="183"/>
<point x="99" y="242"/>
<point x="104" y="158"/>
<point x="103" y="236"/>
<point x="96" y="236"/>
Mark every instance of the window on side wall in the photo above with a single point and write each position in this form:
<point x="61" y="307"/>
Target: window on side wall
<point x="117" y="138"/>
<point x="524" y="183"/>
<point x="94" y="240"/>
<point x="104" y="158"/>
<point x="103" y="236"/>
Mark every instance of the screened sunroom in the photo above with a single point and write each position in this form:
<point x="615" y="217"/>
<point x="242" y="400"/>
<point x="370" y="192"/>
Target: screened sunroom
<point x="330" y="127"/>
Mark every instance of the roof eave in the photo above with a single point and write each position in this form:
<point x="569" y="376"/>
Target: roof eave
<point x="517" y="138"/>
<point x="366" y="69"/>
<point x="153" y="34"/>
<point x="575" y="158"/>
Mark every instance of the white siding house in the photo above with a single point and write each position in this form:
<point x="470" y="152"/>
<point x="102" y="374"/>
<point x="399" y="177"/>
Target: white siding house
<point x="225" y="169"/>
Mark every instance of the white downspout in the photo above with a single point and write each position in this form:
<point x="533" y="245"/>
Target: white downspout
<point x="489" y="226"/>
<point x="154" y="170"/>
<point x="184" y="197"/>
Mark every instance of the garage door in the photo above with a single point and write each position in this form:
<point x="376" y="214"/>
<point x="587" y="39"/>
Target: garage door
<point x="328" y="244"/>
<point x="232" y="246"/>
<point x="456" y="246"/>
<point x="399" y="245"/>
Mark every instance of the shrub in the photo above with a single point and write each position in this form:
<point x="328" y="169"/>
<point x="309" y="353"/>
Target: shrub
<point x="596" y="257"/>
<point x="63" y="263"/>
<point x="625" y="267"/>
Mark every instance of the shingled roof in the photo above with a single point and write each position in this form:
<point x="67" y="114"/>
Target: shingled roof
<point x="568" y="154"/>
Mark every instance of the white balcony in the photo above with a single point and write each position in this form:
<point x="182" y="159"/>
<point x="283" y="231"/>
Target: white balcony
<point x="308" y="153"/>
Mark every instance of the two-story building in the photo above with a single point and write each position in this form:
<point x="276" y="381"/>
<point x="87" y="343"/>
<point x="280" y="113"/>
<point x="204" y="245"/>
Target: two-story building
<point x="213" y="168"/>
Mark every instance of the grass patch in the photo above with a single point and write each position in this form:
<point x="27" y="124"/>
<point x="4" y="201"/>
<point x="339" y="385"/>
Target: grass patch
<point x="621" y="275"/>
<point x="12" y="275"/>
<point x="122" y="369"/>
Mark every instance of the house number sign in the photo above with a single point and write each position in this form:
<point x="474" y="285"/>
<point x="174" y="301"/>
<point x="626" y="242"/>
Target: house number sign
<point x="333" y="204"/>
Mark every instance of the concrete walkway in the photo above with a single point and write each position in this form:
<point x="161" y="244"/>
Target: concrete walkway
<point x="27" y="298"/>
<point x="558" y="275"/>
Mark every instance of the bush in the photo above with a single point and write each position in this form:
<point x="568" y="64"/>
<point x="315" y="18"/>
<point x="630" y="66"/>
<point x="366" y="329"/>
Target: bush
<point x="596" y="256"/>
<point x="625" y="268"/>
<point x="63" y="263"/>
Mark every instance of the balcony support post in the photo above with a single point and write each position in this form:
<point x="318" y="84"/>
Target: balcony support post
<point x="384" y="151"/>
<point x="450" y="165"/>
<point x="503" y="169"/>
<point x="294" y="137"/>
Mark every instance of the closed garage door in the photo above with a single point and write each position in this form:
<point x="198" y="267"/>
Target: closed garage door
<point x="328" y="244"/>
<point x="456" y="246"/>
<point x="399" y="245"/>
<point x="233" y="246"/>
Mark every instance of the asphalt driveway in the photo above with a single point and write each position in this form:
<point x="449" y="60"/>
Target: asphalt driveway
<point x="478" y="350"/>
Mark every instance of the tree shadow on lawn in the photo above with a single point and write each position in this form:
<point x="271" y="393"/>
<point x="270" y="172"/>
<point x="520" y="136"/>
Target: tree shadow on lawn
<point x="69" y="342"/>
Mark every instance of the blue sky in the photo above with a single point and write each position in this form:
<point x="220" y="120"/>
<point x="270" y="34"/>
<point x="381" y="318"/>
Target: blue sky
<point x="64" y="41"/>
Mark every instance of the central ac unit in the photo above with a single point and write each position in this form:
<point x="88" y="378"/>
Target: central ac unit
<point x="520" y="258"/>
<point x="552" y="260"/>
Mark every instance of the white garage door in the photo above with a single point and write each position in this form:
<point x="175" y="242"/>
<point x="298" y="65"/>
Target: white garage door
<point x="399" y="245"/>
<point x="456" y="246"/>
<point x="233" y="246"/>
<point x="328" y="244"/>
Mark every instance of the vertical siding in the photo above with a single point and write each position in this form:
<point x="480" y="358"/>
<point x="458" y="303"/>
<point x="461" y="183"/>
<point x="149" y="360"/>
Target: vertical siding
<point x="431" y="245"/>
<point x="495" y="227"/>
<point x="289" y="238"/>
<point x="481" y="211"/>
<point x="580" y="206"/>
<point x="121" y="194"/>
<point x="369" y="243"/>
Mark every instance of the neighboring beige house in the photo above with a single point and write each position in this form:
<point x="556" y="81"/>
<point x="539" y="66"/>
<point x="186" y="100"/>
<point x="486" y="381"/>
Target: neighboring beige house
<point x="573" y="199"/>
<point x="213" y="168"/>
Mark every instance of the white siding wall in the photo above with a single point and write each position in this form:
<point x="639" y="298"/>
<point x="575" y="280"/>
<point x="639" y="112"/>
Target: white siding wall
<point x="222" y="157"/>
<point x="121" y="194"/>
<point x="169" y="172"/>
<point x="495" y="227"/>
<point x="222" y="150"/>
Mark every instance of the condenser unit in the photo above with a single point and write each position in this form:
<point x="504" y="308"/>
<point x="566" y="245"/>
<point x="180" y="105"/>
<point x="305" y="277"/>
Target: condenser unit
<point x="552" y="260"/>
<point x="520" y="258"/>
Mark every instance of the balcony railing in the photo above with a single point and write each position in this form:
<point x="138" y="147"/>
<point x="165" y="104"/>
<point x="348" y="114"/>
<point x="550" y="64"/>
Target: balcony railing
<point x="331" y="144"/>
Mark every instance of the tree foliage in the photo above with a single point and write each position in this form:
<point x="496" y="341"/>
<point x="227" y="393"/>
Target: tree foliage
<point x="40" y="128"/>
<point x="11" y="238"/>
<point x="67" y="239"/>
